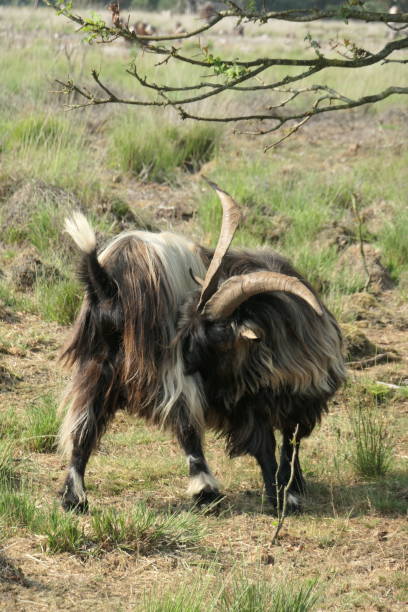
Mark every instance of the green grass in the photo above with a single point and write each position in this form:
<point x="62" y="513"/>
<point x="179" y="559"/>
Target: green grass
<point x="8" y="474"/>
<point x="63" y="532"/>
<point x="42" y="424"/>
<point x="371" y="445"/>
<point x="372" y="454"/>
<point x="58" y="301"/>
<point x="17" y="509"/>
<point x="246" y="596"/>
<point x="240" y="594"/>
<point x="139" y="147"/>
<point x="143" y="530"/>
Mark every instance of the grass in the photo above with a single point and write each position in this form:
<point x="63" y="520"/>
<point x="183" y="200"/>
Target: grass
<point x="63" y="532"/>
<point x="372" y="445"/>
<point x="237" y="595"/>
<point x="42" y="424"/>
<point x="58" y="301"/>
<point x="144" y="531"/>
<point x="138" y="147"/>
<point x="8" y="475"/>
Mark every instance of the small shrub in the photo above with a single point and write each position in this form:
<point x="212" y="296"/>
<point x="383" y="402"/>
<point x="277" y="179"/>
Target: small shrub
<point x="42" y="426"/>
<point x="371" y="447"/>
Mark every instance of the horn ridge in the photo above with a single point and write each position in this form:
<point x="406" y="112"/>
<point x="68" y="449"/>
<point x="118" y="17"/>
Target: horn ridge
<point x="237" y="289"/>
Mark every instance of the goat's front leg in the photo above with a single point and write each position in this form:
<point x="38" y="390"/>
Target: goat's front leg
<point x="203" y="486"/>
<point x="260" y="443"/>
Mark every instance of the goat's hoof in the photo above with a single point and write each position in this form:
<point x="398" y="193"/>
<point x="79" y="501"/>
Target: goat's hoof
<point x="299" y="486"/>
<point x="208" y="497"/>
<point x="293" y="505"/>
<point x="71" y="502"/>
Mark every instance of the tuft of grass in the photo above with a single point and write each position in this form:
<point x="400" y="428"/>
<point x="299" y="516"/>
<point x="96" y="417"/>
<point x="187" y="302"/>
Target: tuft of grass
<point x="393" y="240"/>
<point x="246" y="596"/>
<point x="17" y="509"/>
<point x="143" y="530"/>
<point x="63" y="532"/>
<point x="10" y="427"/>
<point x="241" y="595"/>
<point x="58" y="301"/>
<point x="42" y="425"/>
<point x="38" y="130"/>
<point x="8" y="476"/>
<point x="45" y="228"/>
<point x="371" y="452"/>
<point x="155" y="154"/>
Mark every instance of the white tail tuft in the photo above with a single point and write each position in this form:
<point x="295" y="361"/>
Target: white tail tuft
<point x="77" y="226"/>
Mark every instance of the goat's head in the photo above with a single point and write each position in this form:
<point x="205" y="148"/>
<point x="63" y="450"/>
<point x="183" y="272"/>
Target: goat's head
<point x="213" y="327"/>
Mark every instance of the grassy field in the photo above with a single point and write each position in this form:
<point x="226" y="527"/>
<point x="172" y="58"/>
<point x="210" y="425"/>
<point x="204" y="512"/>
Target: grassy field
<point x="143" y="546"/>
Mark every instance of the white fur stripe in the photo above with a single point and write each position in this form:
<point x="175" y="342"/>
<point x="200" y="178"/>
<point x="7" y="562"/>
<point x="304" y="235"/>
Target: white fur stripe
<point x="292" y="499"/>
<point x="78" y="227"/>
<point x="77" y="484"/>
<point x="200" y="482"/>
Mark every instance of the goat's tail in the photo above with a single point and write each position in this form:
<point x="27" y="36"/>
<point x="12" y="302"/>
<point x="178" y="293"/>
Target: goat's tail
<point x="99" y="284"/>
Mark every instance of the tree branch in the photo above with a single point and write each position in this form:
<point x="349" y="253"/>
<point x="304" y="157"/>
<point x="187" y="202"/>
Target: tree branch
<point x="237" y="75"/>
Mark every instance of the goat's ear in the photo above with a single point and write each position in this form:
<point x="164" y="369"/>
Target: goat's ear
<point x="244" y="331"/>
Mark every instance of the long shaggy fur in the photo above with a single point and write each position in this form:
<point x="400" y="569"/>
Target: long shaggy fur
<point x="141" y="343"/>
<point x="284" y="378"/>
<point x="123" y="339"/>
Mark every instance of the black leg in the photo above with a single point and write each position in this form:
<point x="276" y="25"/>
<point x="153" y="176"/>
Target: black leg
<point x="73" y="492"/>
<point x="87" y="420"/>
<point x="203" y="486"/>
<point x="257" y="439"/>
<point x="262" y="446"/>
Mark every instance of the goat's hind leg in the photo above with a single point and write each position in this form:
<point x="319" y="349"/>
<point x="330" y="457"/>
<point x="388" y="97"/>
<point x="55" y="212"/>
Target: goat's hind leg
<point x="203" y="487"/>
<point x="85" y="422"/>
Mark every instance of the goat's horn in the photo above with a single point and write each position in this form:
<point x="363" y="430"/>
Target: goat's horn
<point x="238" y="289"/>
<point x="231" y="216"/>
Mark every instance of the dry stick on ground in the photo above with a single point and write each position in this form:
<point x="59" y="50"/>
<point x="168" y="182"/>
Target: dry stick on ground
<point x="282" y="514"/>
<point x="370" y="361"/>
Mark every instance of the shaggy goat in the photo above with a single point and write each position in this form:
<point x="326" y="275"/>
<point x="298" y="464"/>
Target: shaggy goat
<point x="252" y="351"/>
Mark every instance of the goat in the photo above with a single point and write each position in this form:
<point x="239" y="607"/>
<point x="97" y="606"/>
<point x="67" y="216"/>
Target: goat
<point x="252" y="351"/>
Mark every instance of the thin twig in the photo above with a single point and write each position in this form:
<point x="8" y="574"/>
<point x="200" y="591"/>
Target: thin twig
<point x="282" y="514"/>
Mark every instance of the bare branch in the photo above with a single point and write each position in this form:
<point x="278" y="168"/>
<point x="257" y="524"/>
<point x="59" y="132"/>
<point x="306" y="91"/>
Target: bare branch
<point x="237" y="75"/>
<point x="286" y="488"/>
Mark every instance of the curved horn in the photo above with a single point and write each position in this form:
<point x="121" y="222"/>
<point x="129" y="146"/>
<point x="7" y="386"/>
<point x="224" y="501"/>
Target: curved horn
<point x="238" y="289"/>
<point x="231" y="216"/>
